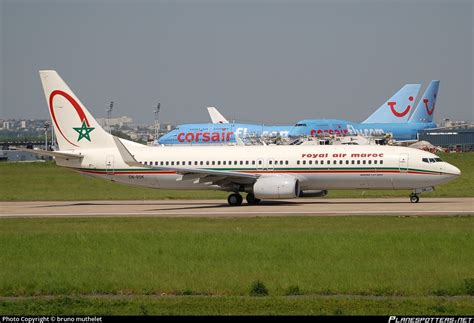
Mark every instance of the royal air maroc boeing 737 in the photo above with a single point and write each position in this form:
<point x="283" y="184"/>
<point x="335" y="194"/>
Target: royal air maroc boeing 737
<point x="269" y="172"/>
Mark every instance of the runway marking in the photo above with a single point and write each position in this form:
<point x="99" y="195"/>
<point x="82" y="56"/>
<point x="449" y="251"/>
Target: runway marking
<point x="204" y="214"/>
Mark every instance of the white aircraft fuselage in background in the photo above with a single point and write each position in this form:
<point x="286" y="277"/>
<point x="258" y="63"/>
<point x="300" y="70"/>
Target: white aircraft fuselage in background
<point x="264" y="172"/>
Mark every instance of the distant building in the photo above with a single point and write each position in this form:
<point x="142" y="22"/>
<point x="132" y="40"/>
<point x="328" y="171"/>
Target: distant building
<point x="450" y="138"/>
<point x="6" y="125"/>
<point x="114" y="122"/>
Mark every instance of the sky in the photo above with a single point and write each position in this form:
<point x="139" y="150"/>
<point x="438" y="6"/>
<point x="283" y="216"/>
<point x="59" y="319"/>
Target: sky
<point x="271" y="62"/>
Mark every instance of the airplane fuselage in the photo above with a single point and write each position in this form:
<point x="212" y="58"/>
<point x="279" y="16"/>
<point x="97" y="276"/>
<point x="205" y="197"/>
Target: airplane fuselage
<point x="315" y="167"/>
<point x="192" y="134"/>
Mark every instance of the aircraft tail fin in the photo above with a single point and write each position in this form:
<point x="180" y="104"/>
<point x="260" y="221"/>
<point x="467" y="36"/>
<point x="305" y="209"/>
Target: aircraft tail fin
<point x="216" y="116"/>
<point x="74" y="127"/>
<point x="396" y="109"/>
<point x="424" y="111"/>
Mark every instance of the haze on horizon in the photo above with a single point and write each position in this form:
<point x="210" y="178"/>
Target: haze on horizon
<point x="263" y="61"/>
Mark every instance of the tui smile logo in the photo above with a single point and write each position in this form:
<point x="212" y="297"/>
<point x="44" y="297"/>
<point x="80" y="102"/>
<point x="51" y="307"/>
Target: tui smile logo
<point x="400" y="114"/>
<point x="84" y="131"/>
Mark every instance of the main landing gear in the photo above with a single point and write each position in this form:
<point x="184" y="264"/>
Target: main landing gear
<point x="251" y="199"/>
<point x="414" y="198"/>
<point x="236" y="199"/>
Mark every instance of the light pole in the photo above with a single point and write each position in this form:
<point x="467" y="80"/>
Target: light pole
<point x="156" y="111"/>
<point x="109" y="114"/>
<point x="45" y="127"/>
<point x="52" y="136"/>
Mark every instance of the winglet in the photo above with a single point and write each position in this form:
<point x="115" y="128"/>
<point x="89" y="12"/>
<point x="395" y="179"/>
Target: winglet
<point x="126" y="155"/>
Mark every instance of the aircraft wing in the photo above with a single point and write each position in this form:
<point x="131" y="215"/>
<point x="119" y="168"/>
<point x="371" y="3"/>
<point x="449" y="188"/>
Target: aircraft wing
<point x="198" y="175"/>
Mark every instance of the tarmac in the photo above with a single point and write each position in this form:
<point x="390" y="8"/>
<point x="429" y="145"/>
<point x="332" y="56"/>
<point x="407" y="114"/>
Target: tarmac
<point x="219" y="208"/>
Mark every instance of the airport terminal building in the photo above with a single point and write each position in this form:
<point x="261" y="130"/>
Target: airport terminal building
<point x="453" y="139"/>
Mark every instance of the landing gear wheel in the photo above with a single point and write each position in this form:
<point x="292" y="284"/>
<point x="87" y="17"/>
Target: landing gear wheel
<point x="235" y="199"/>
<point x="251" y="199"/>
<point x="414" y="198"/>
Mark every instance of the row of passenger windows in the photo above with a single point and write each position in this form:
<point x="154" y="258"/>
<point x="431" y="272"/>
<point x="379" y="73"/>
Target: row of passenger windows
<point x="342" y="162"/>
<point x="260" y="162"/>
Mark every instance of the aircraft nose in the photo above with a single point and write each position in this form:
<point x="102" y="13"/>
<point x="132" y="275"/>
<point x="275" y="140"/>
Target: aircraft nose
<point x="453" y="170"/>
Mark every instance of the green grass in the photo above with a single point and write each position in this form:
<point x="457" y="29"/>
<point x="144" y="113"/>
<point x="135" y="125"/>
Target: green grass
<point x="45" y="181"/>
<point x="199" y="305"/>
<point x="385" y="256"/>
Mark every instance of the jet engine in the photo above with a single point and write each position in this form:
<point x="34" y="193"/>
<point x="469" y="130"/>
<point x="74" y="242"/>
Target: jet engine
<point x="276" y="187"/>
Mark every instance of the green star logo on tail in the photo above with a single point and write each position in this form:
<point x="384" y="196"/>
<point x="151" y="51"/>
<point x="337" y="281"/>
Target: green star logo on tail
<point x="84" y="131"/>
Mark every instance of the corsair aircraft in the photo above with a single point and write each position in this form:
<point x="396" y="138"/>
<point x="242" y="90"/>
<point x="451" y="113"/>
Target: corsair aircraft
<point x="263" y="172"/>
<point x="387" y="119"/>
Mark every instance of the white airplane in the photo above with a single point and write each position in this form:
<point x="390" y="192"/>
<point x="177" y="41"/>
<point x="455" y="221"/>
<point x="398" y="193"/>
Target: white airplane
<point x="264" y="172"/>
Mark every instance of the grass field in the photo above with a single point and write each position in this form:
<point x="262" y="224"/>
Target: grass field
<point x="45" y="181"/>
<point x="343" y="265"/>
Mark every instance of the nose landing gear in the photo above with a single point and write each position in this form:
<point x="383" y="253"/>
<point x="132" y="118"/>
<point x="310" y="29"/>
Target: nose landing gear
<point x="414" y="198"/>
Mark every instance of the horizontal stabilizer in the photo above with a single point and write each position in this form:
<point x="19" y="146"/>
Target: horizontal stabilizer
<point x="52" y="153"/>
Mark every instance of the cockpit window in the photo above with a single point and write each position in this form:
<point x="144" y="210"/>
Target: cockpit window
<point x="431" y="160"/>
<point x="300" y="125"/>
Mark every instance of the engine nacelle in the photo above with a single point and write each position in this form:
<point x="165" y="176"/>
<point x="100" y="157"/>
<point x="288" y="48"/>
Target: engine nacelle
<point x="276" y="187"/>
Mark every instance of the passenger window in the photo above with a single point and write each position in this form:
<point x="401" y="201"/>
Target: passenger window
<point x="223" y="163"/>
<point x="167" y="163"/>
<point x="315" y="162"/>
<point x="195" y="162"/>
<point x="161" y="163"/>
<point x="260" y="162"/>
<point x="334" y="162"/>
<point x="370" y="162"/>
<point x="241" y="162"/>
<point x="213" y="162"/>
<point x="352" y="162"/>
<point x="310" y="162"/>
<point x="201" y="163"/>
<point x="172" y="163"/>
<point x="207" y="162"/>
<point x="363" y="162"/>
<point x="340" y="162"/>
<point x="286" y="162"/>
<point x="177" y="163"/>
<point x="145" y="163"/>
<point x="190" y="163"/>
<point x="269" y="162"/>
<point x="375" y="162"/>
<point x="358" y="162"/>
<point x="304" y="162"/>
<point x="235" y="162"/>
<point x="322" y="162"/>
<point x="246" y="162"/>
<point x="253" y="162"/>
<point x="297" y="162"/>
<point x="218" y="162"/>
<point x="381" y="162"/>
<point x="347" y="162"/>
